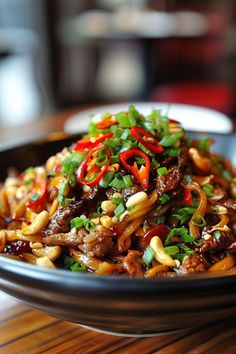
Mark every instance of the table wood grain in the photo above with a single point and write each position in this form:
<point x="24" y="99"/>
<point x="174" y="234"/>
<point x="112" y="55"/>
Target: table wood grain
<point x="24" y="330"/>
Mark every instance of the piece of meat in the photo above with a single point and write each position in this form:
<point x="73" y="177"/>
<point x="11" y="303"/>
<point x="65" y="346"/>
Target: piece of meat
<point x="169" y="181"/>
<point x="97" y="243"/>
<point x="229" y="204"/>
<point x="213" y="244"/>
<point x="183" y="159"/>
<point x="133" y="264"/>
<point x="59" y="221"/>
<point x="195" y="263"/>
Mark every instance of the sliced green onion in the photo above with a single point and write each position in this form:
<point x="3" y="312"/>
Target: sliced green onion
<point x="179" y="231"/>
<point x="106" y="180"/>
<point x="188" y="179"/>
<point x="161" y="219"/>
<point x="184" y="214"/>
<point x="217" y="235"/>
<point x="148" y="255"/>
<point x="199" y="221"/>
<point x="144" y="149"/>
<point x="117" y="201"/>
<point x="34" y="197"/>
<point x="170" y="140"/>
<point x="120" y="209"/>
<point x="174" y="151"/>
<point x="139" y="160"/>
<point x="117" y="183"/>
<point x="101" y="159"/>
<point x="171" y="250"/>
<point x="164" y="198"/>
<point x="125" y="134"/>
<point x="208" y="189"/>
<point x="128" y="181"/>
<point x="76" y="267"/>
<point x="68" y="261"/>
<point x="162" y="171"/>
<point x="123" y="120"/>
<point x="115" y="159"/>
<point x="78" y="221"/>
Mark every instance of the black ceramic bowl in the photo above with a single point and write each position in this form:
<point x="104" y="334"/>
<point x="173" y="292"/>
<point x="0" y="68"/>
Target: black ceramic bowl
<point x="116" y="304"/>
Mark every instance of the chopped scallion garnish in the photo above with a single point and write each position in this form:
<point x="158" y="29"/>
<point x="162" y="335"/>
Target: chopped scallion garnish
<point x="148" y="255"/>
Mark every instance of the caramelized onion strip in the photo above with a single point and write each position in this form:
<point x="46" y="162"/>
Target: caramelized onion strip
<point x="201" y="209"/>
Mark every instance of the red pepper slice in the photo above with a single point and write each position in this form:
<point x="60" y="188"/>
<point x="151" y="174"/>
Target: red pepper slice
<point x="90" y="142"/>
<point x="107" y="123"/>
<point x="161" y="230"/>
<point x="142" y="173"/>
<point x="147" y="139"/>
<point x="187" y="196"/>
<point x="38" y="196"/>
<point x="83" y="171"/>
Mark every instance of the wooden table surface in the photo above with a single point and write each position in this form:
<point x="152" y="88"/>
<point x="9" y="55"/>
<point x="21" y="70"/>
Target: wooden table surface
<point x="23" y="330"/>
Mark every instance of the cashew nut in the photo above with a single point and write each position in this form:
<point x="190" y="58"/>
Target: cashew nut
<point x="160" y="254"/>
<point x="52" y="252"/>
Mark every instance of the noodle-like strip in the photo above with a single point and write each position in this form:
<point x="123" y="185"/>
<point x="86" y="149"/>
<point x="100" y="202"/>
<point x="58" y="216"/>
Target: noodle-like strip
<point x="201" y="209"/>
<point x="129" y="230"/>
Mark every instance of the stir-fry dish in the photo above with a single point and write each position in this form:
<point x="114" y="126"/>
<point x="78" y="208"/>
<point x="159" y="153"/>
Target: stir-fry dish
<point x="134" y="197"/>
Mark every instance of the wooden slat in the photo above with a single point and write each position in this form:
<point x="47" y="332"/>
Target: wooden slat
<point x="25" y="331"/>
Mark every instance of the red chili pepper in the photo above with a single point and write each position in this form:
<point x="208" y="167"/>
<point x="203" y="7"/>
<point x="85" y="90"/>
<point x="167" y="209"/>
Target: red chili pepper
<point x="142" y="173"/>
<point x="83" y="171"/>
<point x="91" y="141"/>
<point x="147" y="139"/>
<point x="58" y="169"/>
<point x="161" y="230"/>
<point x="187" y="196"/>
<point x="38" y="196"/>
<point x="107" y="123"/>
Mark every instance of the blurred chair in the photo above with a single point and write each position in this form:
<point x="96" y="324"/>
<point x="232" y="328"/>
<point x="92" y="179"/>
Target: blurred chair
<point x="218" y="96"/>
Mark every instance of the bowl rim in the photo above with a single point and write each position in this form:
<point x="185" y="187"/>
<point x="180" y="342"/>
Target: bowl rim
<point x="19" y="270"/>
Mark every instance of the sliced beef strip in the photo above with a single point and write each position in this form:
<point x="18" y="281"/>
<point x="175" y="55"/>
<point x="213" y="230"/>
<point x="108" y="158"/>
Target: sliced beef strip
<point x="59" y="222"/>
<point x="97" y="243"/>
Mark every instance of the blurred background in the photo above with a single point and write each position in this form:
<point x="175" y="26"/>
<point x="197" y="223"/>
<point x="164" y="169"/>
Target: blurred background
<point x="57" y="54"/>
